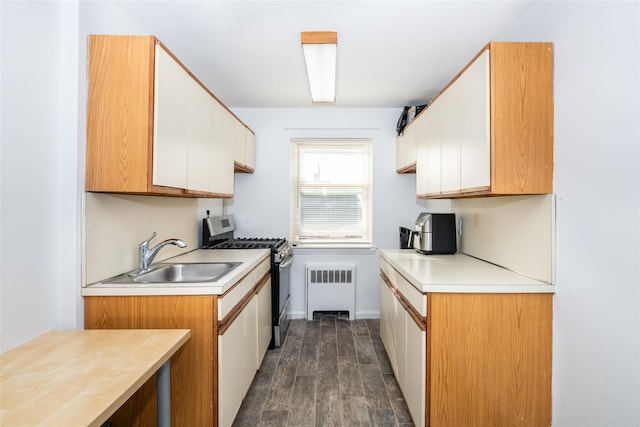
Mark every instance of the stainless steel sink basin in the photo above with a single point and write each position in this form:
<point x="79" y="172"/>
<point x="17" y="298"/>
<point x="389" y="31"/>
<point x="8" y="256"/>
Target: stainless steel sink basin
<point x="179" y="273"/>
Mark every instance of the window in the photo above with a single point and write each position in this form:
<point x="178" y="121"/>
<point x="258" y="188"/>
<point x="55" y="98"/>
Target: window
<point x="331" y="192"/>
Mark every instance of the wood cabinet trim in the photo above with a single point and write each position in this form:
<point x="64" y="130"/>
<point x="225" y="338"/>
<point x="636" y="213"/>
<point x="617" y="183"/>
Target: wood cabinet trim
<point x="242" y="168"/>
<point x="262" y="282"/>
<point x="194" y="193"/>
<point x="260" y="264"/>
<point x="418" y="319"/>
<point x="233" y="314"/>
<point x="410" y="168"/>
<point x="427" y="387"/>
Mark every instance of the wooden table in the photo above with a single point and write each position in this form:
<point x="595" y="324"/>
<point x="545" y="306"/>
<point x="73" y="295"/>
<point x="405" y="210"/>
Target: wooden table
<point x="81" y="377"/>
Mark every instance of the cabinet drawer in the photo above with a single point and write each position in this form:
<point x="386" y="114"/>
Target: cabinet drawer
<point x="229" y="300"/>
<point x="417" y="299"/>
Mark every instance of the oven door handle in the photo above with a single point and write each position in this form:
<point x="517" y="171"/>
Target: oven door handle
<point x="287" y="263"/>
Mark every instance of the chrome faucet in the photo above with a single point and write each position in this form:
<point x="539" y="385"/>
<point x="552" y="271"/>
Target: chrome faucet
<point x="146" y="255"/>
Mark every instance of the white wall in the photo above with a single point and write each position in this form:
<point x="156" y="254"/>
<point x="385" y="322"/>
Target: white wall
<point x="40" y="210"/>
<point x="261" y="205"/>
<point x="115" y="224"/>
<point x="43" y="102"/>
<point x="596" y="350"/>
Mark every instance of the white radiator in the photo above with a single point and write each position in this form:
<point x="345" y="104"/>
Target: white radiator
<point x="331" y="287"/>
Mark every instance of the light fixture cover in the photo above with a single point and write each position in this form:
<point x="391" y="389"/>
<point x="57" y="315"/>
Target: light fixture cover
<point x="320" y="50"/>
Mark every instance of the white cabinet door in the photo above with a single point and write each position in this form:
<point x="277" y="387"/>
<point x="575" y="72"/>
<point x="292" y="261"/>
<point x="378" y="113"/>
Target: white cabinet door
<point x="400" y="335"/>
<point x="449" y="128"/>
<point x="240" y="138"/>
<point x="406" y="146"/>
<point x="415" y="383"/>
<point x="406" y="347"/>
<point x="222" y="153"/>
<point x="194" y="135"/>
<point x="230" y="370"/>
<point x="200" y="137"/>
<point x="263" y="321"/>
<point x="170" y="122"/>
<point x="244" y="140"/>
<point x="475" y="152"/>
<point x="387" y="325"/>
<point x="429" y="151"/>
<point x="237" y="348"/>
<point x="421" y="164"/>
<point x="455" y="152"/>
<point x="250" y="334"/>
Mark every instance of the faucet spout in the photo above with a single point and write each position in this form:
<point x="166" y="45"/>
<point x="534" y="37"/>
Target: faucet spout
<point x="146" y="254"/>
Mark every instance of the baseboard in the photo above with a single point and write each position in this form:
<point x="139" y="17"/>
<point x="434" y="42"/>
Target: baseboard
<point x="359" y="314"/>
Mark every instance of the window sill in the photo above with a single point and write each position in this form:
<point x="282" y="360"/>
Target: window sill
<point x="308" y="249"/>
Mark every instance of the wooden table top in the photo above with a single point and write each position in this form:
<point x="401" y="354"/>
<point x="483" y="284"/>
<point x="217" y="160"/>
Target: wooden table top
<point x="80" y="377"/>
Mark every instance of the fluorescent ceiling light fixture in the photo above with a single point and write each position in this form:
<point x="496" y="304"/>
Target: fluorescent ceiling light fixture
<point x="319" y="50"/>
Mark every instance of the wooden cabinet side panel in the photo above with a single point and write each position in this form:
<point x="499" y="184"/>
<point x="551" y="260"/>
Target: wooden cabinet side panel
<point x="522" y="118"/>
<point x="192" y="367"/>
<point x="490" y="359"/>
<point x="118" y="106"/>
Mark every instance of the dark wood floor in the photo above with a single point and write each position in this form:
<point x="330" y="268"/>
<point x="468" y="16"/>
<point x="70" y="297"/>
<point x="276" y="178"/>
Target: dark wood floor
<point x="329" y="372"/>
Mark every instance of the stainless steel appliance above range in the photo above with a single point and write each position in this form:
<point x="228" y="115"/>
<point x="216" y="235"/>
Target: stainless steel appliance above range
<point x="218" y="233"/>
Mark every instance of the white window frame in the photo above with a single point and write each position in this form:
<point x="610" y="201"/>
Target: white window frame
<point x="359" y="150"/>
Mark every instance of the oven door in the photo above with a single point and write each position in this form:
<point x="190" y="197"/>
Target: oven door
<point x="281" y="288"/>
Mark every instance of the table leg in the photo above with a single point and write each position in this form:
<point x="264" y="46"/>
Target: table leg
<point x="164" y="395"/>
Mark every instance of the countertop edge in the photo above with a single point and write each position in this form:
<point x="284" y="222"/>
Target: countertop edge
<point x="408" y="263"/>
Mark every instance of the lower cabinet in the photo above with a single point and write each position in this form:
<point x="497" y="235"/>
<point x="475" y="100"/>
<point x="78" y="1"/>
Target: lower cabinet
<point x="241" y="349"/>
<point x="464" y="359"/>
<point x="237" y="348"/>
<point x="212" y="372"/>
<point x="415" y="380"/>
<point x="403" y="333"/>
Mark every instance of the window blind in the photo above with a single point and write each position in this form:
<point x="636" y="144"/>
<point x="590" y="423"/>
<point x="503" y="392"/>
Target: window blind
<point x="331" y="192"/>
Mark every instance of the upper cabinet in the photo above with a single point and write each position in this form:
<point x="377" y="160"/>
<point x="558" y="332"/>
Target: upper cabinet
<point x="406" y="149"/>
<point x="243" y="151"/>
<point x="490" y="131"/>
<point x="152" y="127"/>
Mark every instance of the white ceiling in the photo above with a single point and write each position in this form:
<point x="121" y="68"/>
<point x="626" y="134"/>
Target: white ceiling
<point x="390" y="53"/>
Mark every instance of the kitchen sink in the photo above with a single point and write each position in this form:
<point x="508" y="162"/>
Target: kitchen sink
<point x="178" y="273"/>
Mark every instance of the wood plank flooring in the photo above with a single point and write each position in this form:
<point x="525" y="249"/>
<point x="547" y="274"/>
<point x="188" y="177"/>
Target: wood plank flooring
<point x="329" y="372"/>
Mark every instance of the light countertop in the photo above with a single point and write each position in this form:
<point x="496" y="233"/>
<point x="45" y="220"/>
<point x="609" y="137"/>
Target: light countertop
<point x="80" y="377"/>
<point x="249" y="258"/>
<point x="459" y="273"/>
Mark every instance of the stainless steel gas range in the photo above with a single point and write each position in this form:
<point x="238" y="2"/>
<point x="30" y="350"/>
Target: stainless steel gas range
<point x="218" y="233"/>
